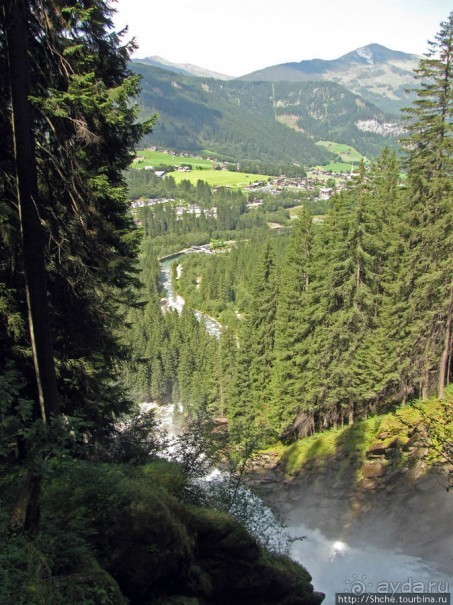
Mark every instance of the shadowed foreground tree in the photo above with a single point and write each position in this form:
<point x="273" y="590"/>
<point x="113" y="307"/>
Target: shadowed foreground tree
<point x="67" y="252"/>
<point x="26" y="180"/>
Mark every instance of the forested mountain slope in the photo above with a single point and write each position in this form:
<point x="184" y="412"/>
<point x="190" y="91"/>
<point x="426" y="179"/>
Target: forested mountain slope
<point x="278" y="122"/>
<point x="347" y="317"/>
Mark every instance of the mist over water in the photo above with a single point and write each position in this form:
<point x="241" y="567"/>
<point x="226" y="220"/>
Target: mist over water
<point x="335" y="566"/>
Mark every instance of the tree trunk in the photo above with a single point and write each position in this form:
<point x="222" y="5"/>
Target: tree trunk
<point x="335" y="418"/>
<point x="351" y="414"/>
<point x="443" y="365"/>
<point x="449" y="360"/>
<point x="25" y="515"/>
<point x="27" y="197"/>
<point x="424" y="383"/>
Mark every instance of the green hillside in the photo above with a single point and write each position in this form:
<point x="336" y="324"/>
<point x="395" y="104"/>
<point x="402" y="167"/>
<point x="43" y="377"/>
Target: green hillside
<point x="148" y="157"/>
<point x="239" y="120"/>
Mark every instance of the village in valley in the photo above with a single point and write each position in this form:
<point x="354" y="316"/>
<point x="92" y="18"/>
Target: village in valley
<point x="319" y="184"/>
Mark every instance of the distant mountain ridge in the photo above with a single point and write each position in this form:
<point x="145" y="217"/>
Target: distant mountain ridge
<point x="186" y="69"/>
<point x="378" y="74"/>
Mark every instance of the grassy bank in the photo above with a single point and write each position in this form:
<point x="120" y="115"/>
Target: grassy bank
<point x="426" y="425"/>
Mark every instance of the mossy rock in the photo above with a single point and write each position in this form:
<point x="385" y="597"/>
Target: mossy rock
<point x="232" y="568"/>
<point x="134" y="525"/>
<point x="151" y="547"/>
<point x="93" y="586"/>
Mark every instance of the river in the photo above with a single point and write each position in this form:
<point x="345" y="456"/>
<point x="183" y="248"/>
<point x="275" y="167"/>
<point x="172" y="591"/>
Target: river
<point x="174" y="301"/>
<point x="373" y="563"/>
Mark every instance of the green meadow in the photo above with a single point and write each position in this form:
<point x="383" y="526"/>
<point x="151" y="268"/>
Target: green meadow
<point x="202" y="168"/>
<point x="219" y="178"/>
<point x="333" y="167"/>
<point x="347" y="153"/>
<point x="156" y="158"/>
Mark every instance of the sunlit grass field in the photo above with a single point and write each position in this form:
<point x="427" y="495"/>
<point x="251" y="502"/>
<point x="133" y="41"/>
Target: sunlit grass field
<point x="156" y="158"/>
<point x="202" y="170"/>
<point x="219" y="178"/>
<point x="346" y="152"/>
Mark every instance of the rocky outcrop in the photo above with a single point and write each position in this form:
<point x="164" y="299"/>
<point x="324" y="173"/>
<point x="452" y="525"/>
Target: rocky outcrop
<point x="384" y="128"/>
<point x="229" y="567"/>
<point x="136" y="541"/>
<point x="199" y="556"/>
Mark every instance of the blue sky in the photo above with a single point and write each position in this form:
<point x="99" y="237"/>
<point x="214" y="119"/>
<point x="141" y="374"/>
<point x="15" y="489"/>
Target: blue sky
<point x="236" y="37"/>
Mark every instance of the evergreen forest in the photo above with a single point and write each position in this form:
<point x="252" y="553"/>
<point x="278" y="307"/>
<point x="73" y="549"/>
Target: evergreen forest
<point x="323" y="322"/>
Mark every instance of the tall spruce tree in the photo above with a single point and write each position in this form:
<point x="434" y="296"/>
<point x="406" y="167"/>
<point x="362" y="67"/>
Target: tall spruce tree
<point x="19" y="78"/>
<point x="343" y="301"/>
<point x="372" y="378"/>
<point x="250" y="406"/>
<point x="262" y="335"/>
<point x="426" y="290"/>
<point x="290" y="327"/>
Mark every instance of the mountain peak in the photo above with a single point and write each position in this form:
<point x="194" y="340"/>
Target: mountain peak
<point x="376" y="53"/>
<point x="380" y="75"/>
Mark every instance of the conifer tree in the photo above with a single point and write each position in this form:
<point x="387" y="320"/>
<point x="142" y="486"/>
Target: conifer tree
<point x="373" y="379"/>
<point x="261" y="327"/>
<point x="248" y="404"/>
<point x="294" y="281"/>
<point x="69" y="131"/>
<point x="344" y="300"/>
<point x="426" y="292"/>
